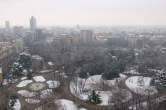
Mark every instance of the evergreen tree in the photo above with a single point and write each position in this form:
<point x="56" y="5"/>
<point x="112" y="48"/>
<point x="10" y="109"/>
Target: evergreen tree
<point x="16" y="69"/>
<point x="12" y="102"/>
<point x="29" y="75"/>
<point x="94" y="97"/>
<point x="25" y="60"/>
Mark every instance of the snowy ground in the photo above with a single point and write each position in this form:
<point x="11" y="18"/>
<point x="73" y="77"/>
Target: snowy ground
<point x="17" y="105"/>
<point x="45" y="71"/>
<point x="24" y="83"/>
<point x="31" y="96"/>
<point x="144" y="105"/>
<point x="39" y="78"/>
<point x="26" y="93"/>
<point x="105" y="97"/>
<point x="45" y="93"/>
<point x="23" y="78"/>
<point x="50" y="63"/>
<point x="53" y="83"/>
<point x="64" y="104"/>
<point x="81" y="88"/>
<point x="141" y="85"/>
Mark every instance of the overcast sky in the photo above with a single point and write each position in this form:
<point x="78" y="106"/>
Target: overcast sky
<point x="84" y="12"/>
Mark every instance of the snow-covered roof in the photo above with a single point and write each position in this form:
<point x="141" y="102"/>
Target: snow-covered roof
<point x="24" y="53"/>
<point x="37" y="57"/>
<point x="50" y="63"/>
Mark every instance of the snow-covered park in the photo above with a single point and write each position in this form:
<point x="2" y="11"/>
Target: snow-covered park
<point x="35" y="89"/>
<point x="141" y="85"/>
<point x="81" y="88"/>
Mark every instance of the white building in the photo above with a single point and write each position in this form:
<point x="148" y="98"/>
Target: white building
<point x="86" y="36"/>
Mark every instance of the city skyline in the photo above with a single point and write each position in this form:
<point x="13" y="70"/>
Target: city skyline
<point x="83" y="12"/>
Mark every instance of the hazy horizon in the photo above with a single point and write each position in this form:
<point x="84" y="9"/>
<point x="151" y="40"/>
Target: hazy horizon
<point x="83" y="12"/>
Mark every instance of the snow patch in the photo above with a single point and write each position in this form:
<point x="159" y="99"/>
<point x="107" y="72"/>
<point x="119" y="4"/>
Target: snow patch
<point x="23" y="78"/>
<point x="105" y="97"/>
<point x="45" y="93"/>
<point x="17" y="105"/>
<point x="64" y="104"/>
<point x="24" y="83"/>
<point x="53" y="84"/>
<point x="36" y="57"/>
<point x="39" y="78"/>
<point x="32" y="101"/>
<point x="50" y="63"/>
<point x="82" y="109"/>
<point x="141" y="85"/>
<point x="26" y="93"/>
<point x="45" y="71"/>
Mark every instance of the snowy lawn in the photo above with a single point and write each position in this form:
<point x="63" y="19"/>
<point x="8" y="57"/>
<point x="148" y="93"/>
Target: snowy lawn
<point x="24" y="83"/>
<point x="64" y="104"/>
<point x="141" y="85"/>
<point x="81" y="88"/>
<point x="23" y="78"/>
<point x="53" y="84"/>
<point x="26" y="93"/>
<point x="39" y="78"/>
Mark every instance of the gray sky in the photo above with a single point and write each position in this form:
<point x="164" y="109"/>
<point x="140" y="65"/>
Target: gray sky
<point x="84" y="12"/>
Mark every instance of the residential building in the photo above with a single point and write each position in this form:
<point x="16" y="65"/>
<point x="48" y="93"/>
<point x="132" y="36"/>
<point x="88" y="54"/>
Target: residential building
<point x="86" y="36"/>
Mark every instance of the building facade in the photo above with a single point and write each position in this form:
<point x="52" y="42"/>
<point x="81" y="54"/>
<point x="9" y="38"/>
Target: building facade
<point x="86" y="36"/>
<point x="33" y="24"/>
<point x="8" y="51"/>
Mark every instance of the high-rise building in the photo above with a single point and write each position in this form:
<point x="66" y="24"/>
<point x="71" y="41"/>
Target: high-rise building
<point x="33" y="24"/>
<point x="78" y="27"/>
<point x="86" y="36"/>
<point x="7" y="26"/>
